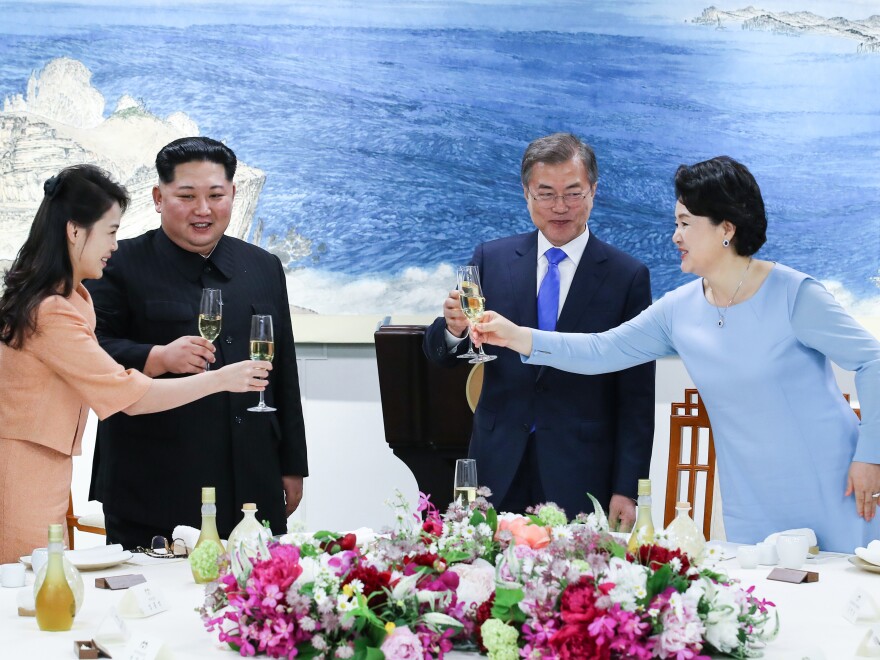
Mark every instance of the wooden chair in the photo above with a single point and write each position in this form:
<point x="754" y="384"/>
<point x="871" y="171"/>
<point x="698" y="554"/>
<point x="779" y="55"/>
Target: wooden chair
<point x="74" y="523"/>
<point x="689" y="429"/>
<point x="693" y="468"/>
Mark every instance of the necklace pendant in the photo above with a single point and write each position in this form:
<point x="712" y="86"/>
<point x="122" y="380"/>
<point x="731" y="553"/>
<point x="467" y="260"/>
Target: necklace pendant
<point x="720" y="323"/>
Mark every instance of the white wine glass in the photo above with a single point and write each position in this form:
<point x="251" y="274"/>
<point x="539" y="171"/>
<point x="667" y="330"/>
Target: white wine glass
<point x="465" y="486"/>
<point x="473" y="304"/>
<point x="262" y="348"/>
<point x="464" y="275"/>
<point x="210" y="316"/>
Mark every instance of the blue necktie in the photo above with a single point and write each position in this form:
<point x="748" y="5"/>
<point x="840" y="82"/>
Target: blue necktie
<point x="548" y="294"/>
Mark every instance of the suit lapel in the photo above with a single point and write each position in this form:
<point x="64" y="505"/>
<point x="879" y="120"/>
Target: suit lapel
<point x="524" y="280"/>
<point x="587" y="279"/>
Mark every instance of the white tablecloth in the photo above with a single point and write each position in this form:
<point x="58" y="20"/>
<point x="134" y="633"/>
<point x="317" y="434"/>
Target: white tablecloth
<point x="811" y="615"/>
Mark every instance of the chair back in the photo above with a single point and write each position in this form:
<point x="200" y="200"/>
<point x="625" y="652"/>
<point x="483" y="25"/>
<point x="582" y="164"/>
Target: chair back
<point x="74" y="523"/>
<point x="691" y="468"/>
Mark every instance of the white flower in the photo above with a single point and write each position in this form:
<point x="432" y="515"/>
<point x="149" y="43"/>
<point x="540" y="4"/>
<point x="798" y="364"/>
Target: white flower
<point x="562" y="532"/>
<point x="320" y="596"/>
<point x="468" y="531"/>
<point x="357" y="586"/>
<point x="310" y="569"/>
<point x="630" y="582"/>
<point x="307" y="623"/>
<point x="345" y="604"/>
<point x="476" y="582"/>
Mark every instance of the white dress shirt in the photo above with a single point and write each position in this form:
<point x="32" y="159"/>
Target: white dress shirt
<point x="574" y="250"/>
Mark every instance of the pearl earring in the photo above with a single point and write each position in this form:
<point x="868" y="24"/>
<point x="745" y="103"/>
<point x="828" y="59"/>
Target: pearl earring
<point x="725" y="243"/>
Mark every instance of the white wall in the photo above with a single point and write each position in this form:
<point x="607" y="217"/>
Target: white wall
<point x="353" y="470"/>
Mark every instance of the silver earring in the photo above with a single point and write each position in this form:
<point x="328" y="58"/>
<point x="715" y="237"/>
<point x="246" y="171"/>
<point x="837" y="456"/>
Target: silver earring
<point x="725" y="243"/>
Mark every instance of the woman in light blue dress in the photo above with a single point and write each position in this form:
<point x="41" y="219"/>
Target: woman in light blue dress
<point x="757" y="338"/>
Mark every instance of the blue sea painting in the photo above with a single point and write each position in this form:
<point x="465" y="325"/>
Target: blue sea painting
<point x="391" y="134"/>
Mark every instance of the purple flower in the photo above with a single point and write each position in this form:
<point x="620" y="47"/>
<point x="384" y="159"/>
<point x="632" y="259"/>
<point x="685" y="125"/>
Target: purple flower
<point x="402" y="644"/>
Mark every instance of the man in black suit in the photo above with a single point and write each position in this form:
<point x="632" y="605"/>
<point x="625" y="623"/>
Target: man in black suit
<point x="540" y="434"/>
<point x="148" y="470"/>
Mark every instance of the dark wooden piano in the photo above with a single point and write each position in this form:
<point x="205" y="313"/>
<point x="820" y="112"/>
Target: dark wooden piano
<point x="425" y="409"/>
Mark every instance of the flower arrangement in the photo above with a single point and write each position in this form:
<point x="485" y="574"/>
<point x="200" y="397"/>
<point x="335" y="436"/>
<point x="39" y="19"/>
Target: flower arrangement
<point x="514" y="586"/>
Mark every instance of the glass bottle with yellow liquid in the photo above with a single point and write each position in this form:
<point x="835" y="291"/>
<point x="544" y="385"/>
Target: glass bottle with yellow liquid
<point x="208" y="533"/>
<point x="643" y="530"/>
<point x="58" y="589"/>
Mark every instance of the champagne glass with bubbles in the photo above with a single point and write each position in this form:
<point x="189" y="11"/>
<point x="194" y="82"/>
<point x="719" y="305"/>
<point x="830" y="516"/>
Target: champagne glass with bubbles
<point x="262" y="348"/>
<point x="464" y="274"/>
<point x="210" y="316"/>
<point x="473" y="304"/>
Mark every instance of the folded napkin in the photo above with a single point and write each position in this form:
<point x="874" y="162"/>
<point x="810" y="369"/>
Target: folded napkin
<point x="805" y="531"/>
<point x="871" y="554"/>
<point x="93" y="554"/>
<point x="187" y="534"/>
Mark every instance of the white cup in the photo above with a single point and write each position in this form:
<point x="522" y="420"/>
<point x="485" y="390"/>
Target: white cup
<point x="767" y="554"/>
<point x="792" y="550"/>
<point x="12" y="575"/>
<point x="747" y="556"/>
<point x="39" y="556"/>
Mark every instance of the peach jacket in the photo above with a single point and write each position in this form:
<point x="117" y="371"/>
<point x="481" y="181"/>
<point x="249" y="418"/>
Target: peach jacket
<point x="48" y="386"/>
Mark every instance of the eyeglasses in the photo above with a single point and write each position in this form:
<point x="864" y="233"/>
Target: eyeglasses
<point x="547" y="200"/>
<point x="160" y="548"/>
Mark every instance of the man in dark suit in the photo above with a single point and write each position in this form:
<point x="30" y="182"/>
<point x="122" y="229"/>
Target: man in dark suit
<point x="540" y="434"/>
<point x="148" y="470"/>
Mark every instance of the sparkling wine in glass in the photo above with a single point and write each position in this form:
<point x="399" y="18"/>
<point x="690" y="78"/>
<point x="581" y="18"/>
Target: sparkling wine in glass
<point x="262" y="348"/>
<point x="210" y="316"/>
<point x="465" y="273"/>
<point x="465" y="487"/>
<point x="473" y="304"/>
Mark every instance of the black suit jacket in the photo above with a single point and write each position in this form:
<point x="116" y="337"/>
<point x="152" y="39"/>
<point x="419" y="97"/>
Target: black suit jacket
<point x="593" y="433"/>
<point x="149" y="469"/>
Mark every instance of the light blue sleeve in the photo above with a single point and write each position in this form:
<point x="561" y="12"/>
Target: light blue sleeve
<point x="822" y="324"/>
<point x="642" y="339"/>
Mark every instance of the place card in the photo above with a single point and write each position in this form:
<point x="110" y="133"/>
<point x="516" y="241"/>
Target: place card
<point x="145" y="648"/>
<point x="870" y="646"/>
<point x="142" y="600"/>
<point x="114" y="582"/>
<point x="861" y="606"/>
<point x="792" y="575"/>
<point x="111" y="630"/>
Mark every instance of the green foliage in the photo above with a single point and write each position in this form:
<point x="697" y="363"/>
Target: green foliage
<point x="506" y="605"/>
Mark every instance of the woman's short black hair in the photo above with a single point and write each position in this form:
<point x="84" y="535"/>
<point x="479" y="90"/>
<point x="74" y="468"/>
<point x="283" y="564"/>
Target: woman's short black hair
<point x="723" y="189"/>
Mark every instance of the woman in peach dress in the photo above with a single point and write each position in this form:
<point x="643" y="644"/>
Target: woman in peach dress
<point x="52" y="369"/>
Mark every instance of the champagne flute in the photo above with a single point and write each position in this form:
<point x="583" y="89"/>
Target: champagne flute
<point x="464" y="279"/>
<point x="262" y="348"/>
<point x="473" y="304"/>
<point x="465" y="486"/>
<point x="210" y="316"/>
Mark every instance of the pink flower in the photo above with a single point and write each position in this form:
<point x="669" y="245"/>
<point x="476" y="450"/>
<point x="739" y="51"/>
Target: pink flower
<point x="402" y="644"/>
<point x="524" y="532"/>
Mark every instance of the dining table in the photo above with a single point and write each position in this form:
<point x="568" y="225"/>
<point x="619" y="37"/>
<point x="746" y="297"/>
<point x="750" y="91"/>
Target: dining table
<point x="817" y="619"/>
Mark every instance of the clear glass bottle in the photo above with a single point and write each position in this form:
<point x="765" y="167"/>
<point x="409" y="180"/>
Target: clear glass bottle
<point x="684" y="533"/>
<point x="249" y="536"/>
<point x="208" y="532"/>
<point x="643" y="530"/>
<point x="58" y="589"/>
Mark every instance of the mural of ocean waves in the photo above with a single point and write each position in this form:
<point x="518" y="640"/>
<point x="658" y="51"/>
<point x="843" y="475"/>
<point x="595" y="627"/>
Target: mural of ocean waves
<point x="391" y="152"/>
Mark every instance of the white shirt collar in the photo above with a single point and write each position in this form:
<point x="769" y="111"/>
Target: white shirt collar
<point x="574" y="249"/>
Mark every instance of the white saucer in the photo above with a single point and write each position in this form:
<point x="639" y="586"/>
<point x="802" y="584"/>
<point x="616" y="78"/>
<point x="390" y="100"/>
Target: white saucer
<point x="864" y="565"/>
<point x="91" y="563"/>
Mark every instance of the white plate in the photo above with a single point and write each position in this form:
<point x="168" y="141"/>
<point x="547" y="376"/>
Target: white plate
<point x="870" y="557"/>
<point x="864" y="565"/>
<point x="91" y="563"/>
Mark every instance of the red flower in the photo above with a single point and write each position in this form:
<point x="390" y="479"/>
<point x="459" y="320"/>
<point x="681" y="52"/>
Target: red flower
<point x="484" y="613"/>
<point x="578" y="602"/>
<point x="332" y="546"/>
<point x="281" y="569"/>
<point x="374" y="581"/>
<point x="433" y="526"/>
<point x="655" y="556"/>
<point x="428" y="559"/>
<point x="573" y="642"/>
